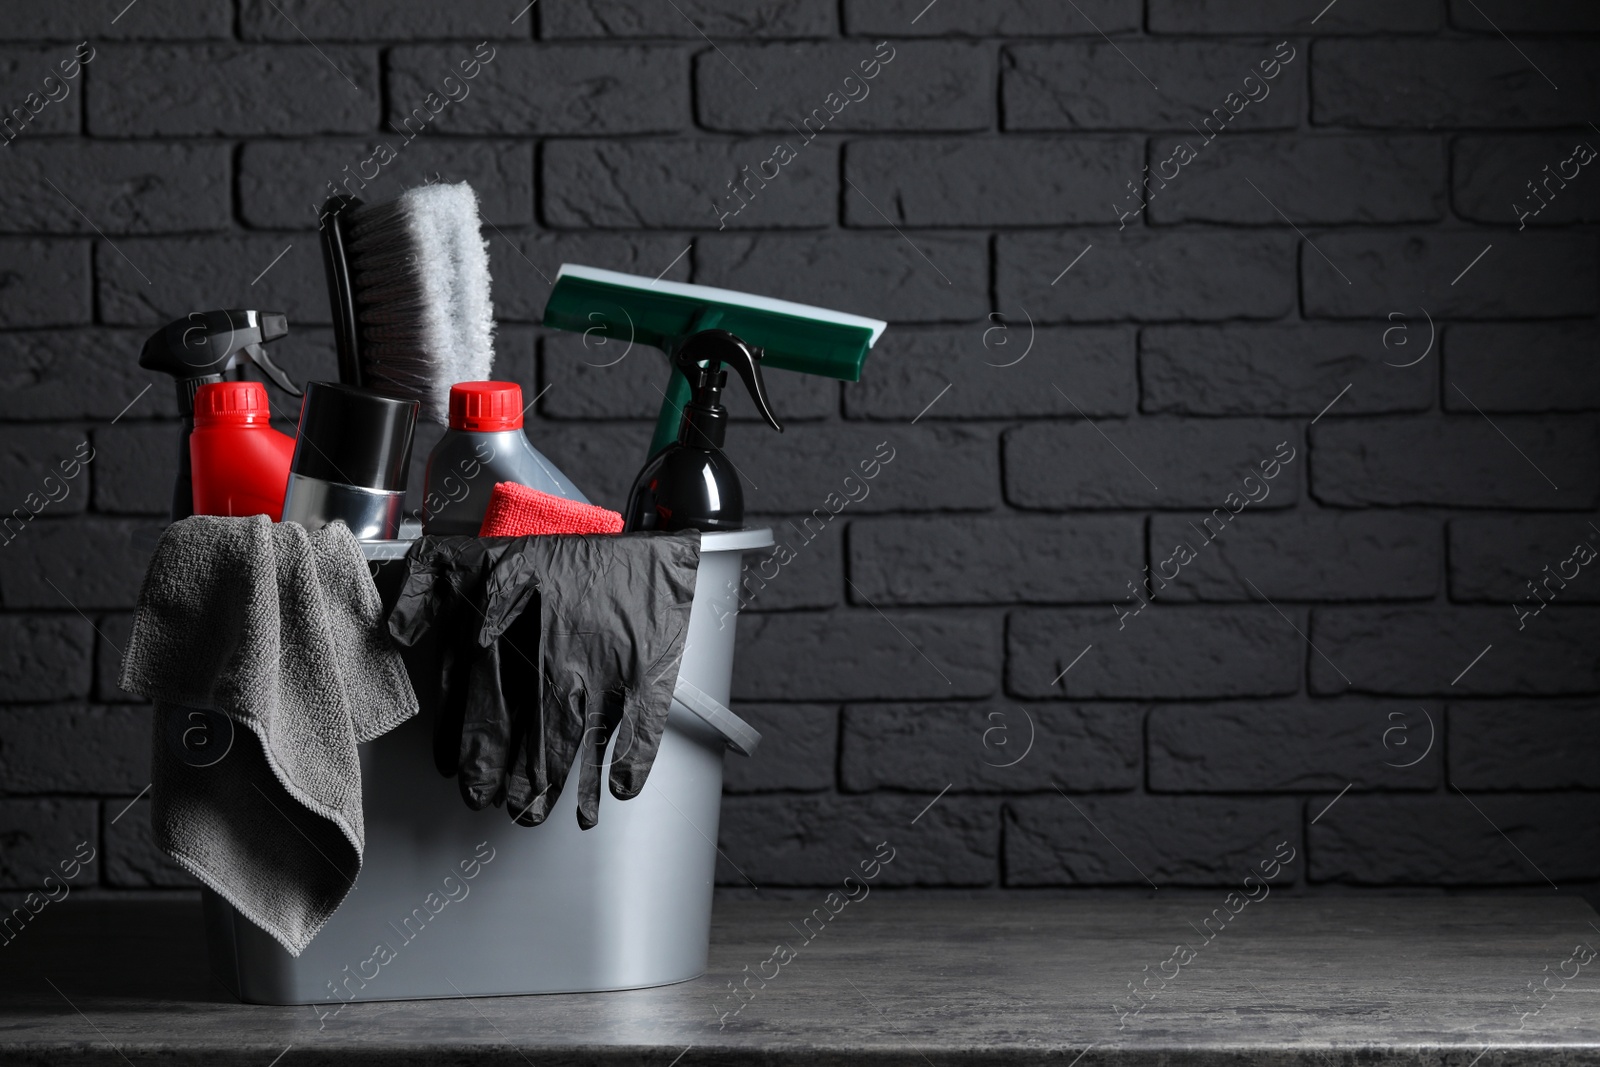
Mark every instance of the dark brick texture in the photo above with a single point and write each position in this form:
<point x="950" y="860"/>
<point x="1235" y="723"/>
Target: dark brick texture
<point x="1240" y="385"/>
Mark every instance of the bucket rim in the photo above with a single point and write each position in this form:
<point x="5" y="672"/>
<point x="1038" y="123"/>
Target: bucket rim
<point x="746" y="540"/>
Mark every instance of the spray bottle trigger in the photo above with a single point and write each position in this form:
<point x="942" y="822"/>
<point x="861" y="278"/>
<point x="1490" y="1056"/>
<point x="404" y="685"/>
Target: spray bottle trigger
<point x="719" y="347"/>
<point x="747" y="364"/>
<point x="258" y="355"/>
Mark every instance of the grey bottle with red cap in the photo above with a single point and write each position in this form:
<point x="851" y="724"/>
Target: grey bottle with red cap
<point x="484" y="445"/>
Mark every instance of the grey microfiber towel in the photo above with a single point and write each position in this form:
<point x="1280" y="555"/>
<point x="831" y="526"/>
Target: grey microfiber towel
<point x="535" y="651"/>
<point x="282" y="632"/>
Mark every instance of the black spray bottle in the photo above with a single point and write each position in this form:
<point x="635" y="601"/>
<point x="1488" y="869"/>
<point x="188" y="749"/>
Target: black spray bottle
<point x="691" y="484"/>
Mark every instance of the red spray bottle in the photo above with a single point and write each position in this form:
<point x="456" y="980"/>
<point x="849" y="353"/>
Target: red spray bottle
<point x="240" y="463"/>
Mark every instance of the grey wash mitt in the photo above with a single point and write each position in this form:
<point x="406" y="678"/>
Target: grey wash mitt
<point x="282" y="632"/>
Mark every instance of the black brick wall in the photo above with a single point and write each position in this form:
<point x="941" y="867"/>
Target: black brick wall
<point x="1071" y="387"/>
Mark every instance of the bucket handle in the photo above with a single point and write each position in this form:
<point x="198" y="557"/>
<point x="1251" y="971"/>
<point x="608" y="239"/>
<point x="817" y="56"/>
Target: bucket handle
<point x="739" y="735"/>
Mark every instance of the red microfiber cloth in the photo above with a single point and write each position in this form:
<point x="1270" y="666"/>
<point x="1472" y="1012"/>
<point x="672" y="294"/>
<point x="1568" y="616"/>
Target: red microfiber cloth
<point x="519" y="511"/>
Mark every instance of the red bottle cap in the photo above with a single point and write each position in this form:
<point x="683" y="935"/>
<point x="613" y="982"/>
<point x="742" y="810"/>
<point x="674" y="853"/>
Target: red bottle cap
<point x="231" y="403"/>
<point x="486" y="406"/>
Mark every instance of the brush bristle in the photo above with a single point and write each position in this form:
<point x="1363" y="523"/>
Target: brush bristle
<point x="419" y="270"/>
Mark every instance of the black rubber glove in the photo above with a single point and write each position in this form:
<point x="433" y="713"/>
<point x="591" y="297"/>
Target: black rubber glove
<point x="613" y="614"/>
<point x="436" y="618"/>
<point x="502" y="701"/>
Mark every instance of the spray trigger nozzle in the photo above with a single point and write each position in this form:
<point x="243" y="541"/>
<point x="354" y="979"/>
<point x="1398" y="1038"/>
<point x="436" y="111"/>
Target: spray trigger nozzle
<point x="259" y="357"/>
<point x="717" y="348"/>
<point x="211" y="346"/>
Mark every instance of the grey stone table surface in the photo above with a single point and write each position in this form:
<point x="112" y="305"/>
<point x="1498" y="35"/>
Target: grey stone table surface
<point x="892" y="980"/>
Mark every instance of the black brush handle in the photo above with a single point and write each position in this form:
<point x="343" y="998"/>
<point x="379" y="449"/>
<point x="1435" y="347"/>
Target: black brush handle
<point x="341" y="293"/>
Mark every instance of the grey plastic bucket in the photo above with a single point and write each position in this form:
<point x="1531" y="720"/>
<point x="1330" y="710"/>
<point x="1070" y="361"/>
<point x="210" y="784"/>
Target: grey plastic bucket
<point x="546" y="909"/>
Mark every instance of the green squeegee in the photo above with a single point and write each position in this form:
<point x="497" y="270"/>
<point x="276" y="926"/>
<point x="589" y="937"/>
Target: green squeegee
<point x="663" y="315"/>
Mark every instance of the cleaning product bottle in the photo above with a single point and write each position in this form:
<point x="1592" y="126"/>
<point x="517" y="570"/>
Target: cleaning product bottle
<point x="240" y="464"/>
<point x="691" y="483"/>
<point x="485" y="444"/>
<point x="207" y="347"/>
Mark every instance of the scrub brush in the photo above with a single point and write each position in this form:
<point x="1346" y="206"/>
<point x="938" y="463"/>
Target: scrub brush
<point x="408" y="282"/>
